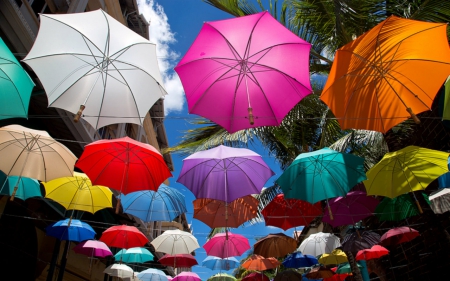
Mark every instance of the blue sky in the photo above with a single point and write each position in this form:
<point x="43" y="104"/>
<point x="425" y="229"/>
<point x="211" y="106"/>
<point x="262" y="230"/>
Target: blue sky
<point x="174" y="26"/>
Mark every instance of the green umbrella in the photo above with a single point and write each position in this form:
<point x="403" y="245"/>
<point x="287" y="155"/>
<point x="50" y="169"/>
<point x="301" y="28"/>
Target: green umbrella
<point x="15" y="86"/>
<point x="398" y="208"/>
<point x="26" y="188"/>
<point x="222" y="277"/>
<point x="345" y="268"/>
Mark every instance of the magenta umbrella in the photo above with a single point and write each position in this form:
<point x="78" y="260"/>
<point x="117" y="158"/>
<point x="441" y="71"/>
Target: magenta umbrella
<point x="350" y="209"/>
<point x="245" y="72"/>
<point x="187" y="276"/>
<point x="224" y="173"/>
<point x="93" y="248"/>
<point x="224" y="245"/>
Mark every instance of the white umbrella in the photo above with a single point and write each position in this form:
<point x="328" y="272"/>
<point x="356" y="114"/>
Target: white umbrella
<point x="119" y="270"/>
<point x="319" y="243"/>
<point x="174" y="242"/>
<point x="440" y="201"/>
<point x="93" y="62"/>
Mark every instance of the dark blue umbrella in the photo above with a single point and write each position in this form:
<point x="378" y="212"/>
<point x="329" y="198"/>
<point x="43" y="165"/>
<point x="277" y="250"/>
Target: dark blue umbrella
<point x="75" y="231"/>
<point x="216" y="263"/>
<point x="297" y="259"/>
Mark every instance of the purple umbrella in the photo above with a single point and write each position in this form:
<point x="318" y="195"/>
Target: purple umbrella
<point x="350" y="209"/>
<point x="93" y="248"/>
<point x="224" y="173"/>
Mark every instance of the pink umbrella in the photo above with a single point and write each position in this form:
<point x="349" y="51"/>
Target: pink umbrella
<point x="93" y="248"/>
<point x="187" y="276"/>
<point x="398" y="235"/>
<point x="245" y="72"/>
<point x="224" y="245"/>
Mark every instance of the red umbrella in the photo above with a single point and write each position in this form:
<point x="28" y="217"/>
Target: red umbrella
<point x="375" y="252"/>
<point x="336" y="277"/>
<point x="255" y="276"/>
<point x="287" y="213"/>
<point x="398" y="235"/>
<point x="123" y="236"/>
<point x="260" y="263"/>
<point x="179" y="260"/>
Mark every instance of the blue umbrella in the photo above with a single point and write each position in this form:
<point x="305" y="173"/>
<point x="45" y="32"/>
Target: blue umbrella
<point x="134" y="255"/>
<point x="216" y="263"/>
<point x="163" y="205"/>
<point x="297" y="260"/>
<point x="152" y="274"/>
<point x="76" y="231"/>
<point x="26" y="188"/>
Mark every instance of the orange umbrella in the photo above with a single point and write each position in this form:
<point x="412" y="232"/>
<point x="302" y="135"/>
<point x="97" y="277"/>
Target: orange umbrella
<point x="260" y="263"/>
<point x="218" y="213"/>
<point x="389" y="73"/>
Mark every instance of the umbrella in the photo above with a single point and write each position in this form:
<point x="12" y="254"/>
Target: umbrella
<point x="321" y="174"/>
<point x="398" y="208"/>
<point x="179" y="260"/>
<point x="319" y="272"/>
<point x="71" y="230"/>
<point x="78" y="193"/>
<point x="216" y="263"/>
<point x="175" y="242"/>
<point x="288" y="275"/>
<point x="319" y="243"/>
<point x="375" y="252"/>
<point x="398" y="235"/>
<point x="337" y="256"/>
<point x="221" y="277"/>
<point x="359" y="240"/>
<point x="298" y="260"/>
<point x="26" y="188"/>
<point x="287" y="213"/>
<point x="346" y="268"/>
<point x="152" y="274"/>
<point x="275" y="245"/>
<point x="336" y="277"/>
<point x="165" y="204"/>
<point x="217" y="213"/>
<point x="93" y="248"/>
<point x="260" y="263"/>
<point x="350" y="209"/>
<point x="134" y="255"/>
<point x="387" y="74"/>
<point x="123" y="236"/>
<point x="109" y="71"/>
<point x="247" y="67"/>
<point x="440" y="201"/>
<point x="255" y="276"/>
<point x="224" y="173"/>
<point x="15" y="85"/>
<point x="406" y="170"/>
<point x="187" y="276"/>
<point x="119" y="270"/>
<point x="224" y="245"/>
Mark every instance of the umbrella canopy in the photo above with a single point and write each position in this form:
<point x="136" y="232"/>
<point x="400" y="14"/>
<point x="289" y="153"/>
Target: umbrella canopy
<point x="78" y="193"/>
<point x="319" y="243"/>
<point x="216" y="263"/>
<point x="398" y="208"/>
<point x="337" y="256"/>
<point x="224" y="245"/>
<point x="123" y="236"/>
<point x="165" y="204"/>
<point x="152" y="274"/>
<point x="179" y="260"/>
<point x="336" y="277"/>
<point x="255" y="276"/>
<point x="109" y="71"/>
<point x="70" y="230"/>
<point x="93" y="248"/>
<point x="26" y="187"/>
<point x="217" y="213"/>
<point x="387" y="74"/>
<point x="440" y="201"/>
<point x="224" y="173"/>
<point x="287" y="213"/>
<point x="350" y="209"/>
<point x="375" y="252"/>
<point x="260" y="263"/>
<point x="134" y="255"/>
<point x="15" y="85"/>
<point x="288" y="275"/>
<point x="187" y="276"/>
<point x="175" y="242"/>
<point x="275" y="245"/>
<point x="221" y="277"/>
<point x="245" y="72"/>
<point x="319" y="272"/>
<point x="321" y="174"/>
<point x="298" y="260"/>
<point x="359" y="240"/>
<point x="398" y="235"/>
<point x="119" y="270"/>
<point x="346" y="268"/>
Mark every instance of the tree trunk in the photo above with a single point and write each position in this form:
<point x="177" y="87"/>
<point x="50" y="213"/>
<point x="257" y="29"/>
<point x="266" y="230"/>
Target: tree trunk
<point x="355" y="270"/>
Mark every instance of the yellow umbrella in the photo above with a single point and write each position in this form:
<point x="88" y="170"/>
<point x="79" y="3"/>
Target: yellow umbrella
<point x="335" y="257"/>
<point x="78" y="193"/>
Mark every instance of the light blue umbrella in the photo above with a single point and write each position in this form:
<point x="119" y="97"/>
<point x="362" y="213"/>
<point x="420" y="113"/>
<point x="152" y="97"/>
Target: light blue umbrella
<point x="15" y="86"/>
<point x="216" y="263"/>
<point x="152" y="274"/>
<point x="163" y="205"/>
<point x="26" y="188"/>
<point x="134" y="255"/>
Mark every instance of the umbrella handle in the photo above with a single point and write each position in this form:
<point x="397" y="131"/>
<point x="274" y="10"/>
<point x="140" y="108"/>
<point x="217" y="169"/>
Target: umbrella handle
<point x="330" y="213"/>
<point x="118" y="205"/>
<point x="413" y="116"/>
<point x="419" y="207"/>
<point x="13" y="194"/>
<point x="78" y="115"/>
<point x="250" y="116"/>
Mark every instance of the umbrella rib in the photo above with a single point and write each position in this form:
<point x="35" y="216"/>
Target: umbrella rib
<point x="14" y="85"/>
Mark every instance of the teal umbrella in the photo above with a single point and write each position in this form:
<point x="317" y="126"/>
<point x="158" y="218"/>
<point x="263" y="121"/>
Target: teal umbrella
<point x="15" y="86"/>
<point x="134" y="255"/>
<point x="398" y="208"/>
<point x="26" y="188"/>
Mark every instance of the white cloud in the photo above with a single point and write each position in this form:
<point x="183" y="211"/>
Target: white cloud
<point x="164" y="37"/>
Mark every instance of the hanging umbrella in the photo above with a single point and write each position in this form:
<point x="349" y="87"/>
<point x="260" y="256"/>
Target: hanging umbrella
<point x="15" y="84"/>
<point x="216" y="263"/>
<point x="346" y="268"/>
<point x="398" y="235"/>
<point x="337" y="256"/>
<point x="224" y="173"/>
<point x="109" y="71"/>
<point x="398" y="208"/>
<point x="221" y="277"/>
<point x="336" y="277"/>
<point x="350" y="209"/>
<point x="249" y="71"/>
<point x="288" y="275"/>
<point x="319" y="243"/>
<point x="440" y="201"/>
<point x="78" y="193"/>
<point x="187" y="276"/>
<point x="387" y="74"/>
<point x="123" y="236"/>
<point x="119" y="270"/>
<point x="217" y="213"/>
<point x="275" y="245"/>
<point x="134" y="255"/>
<point x="152" y="274"/>
<point x="406" y="170"/>
<point x="359" y="240"/>
<point x="321" y="174"/>
<point x="71" y="230"/>
<point x="375" y="252"/>
<point x="93" y="248"/>
<point x="178" y="260"/>
<point x="175" y="242"/>
<point x="298" y="260"/>
<point x="260" y="263"/>
<point x="26" y="187"/>
<point x="165" y="204"/>
<point x="255" y="276"/>
<point x="224" y="245"/>
<point x="287" y="213"/>
<point x="319" y="272"/>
